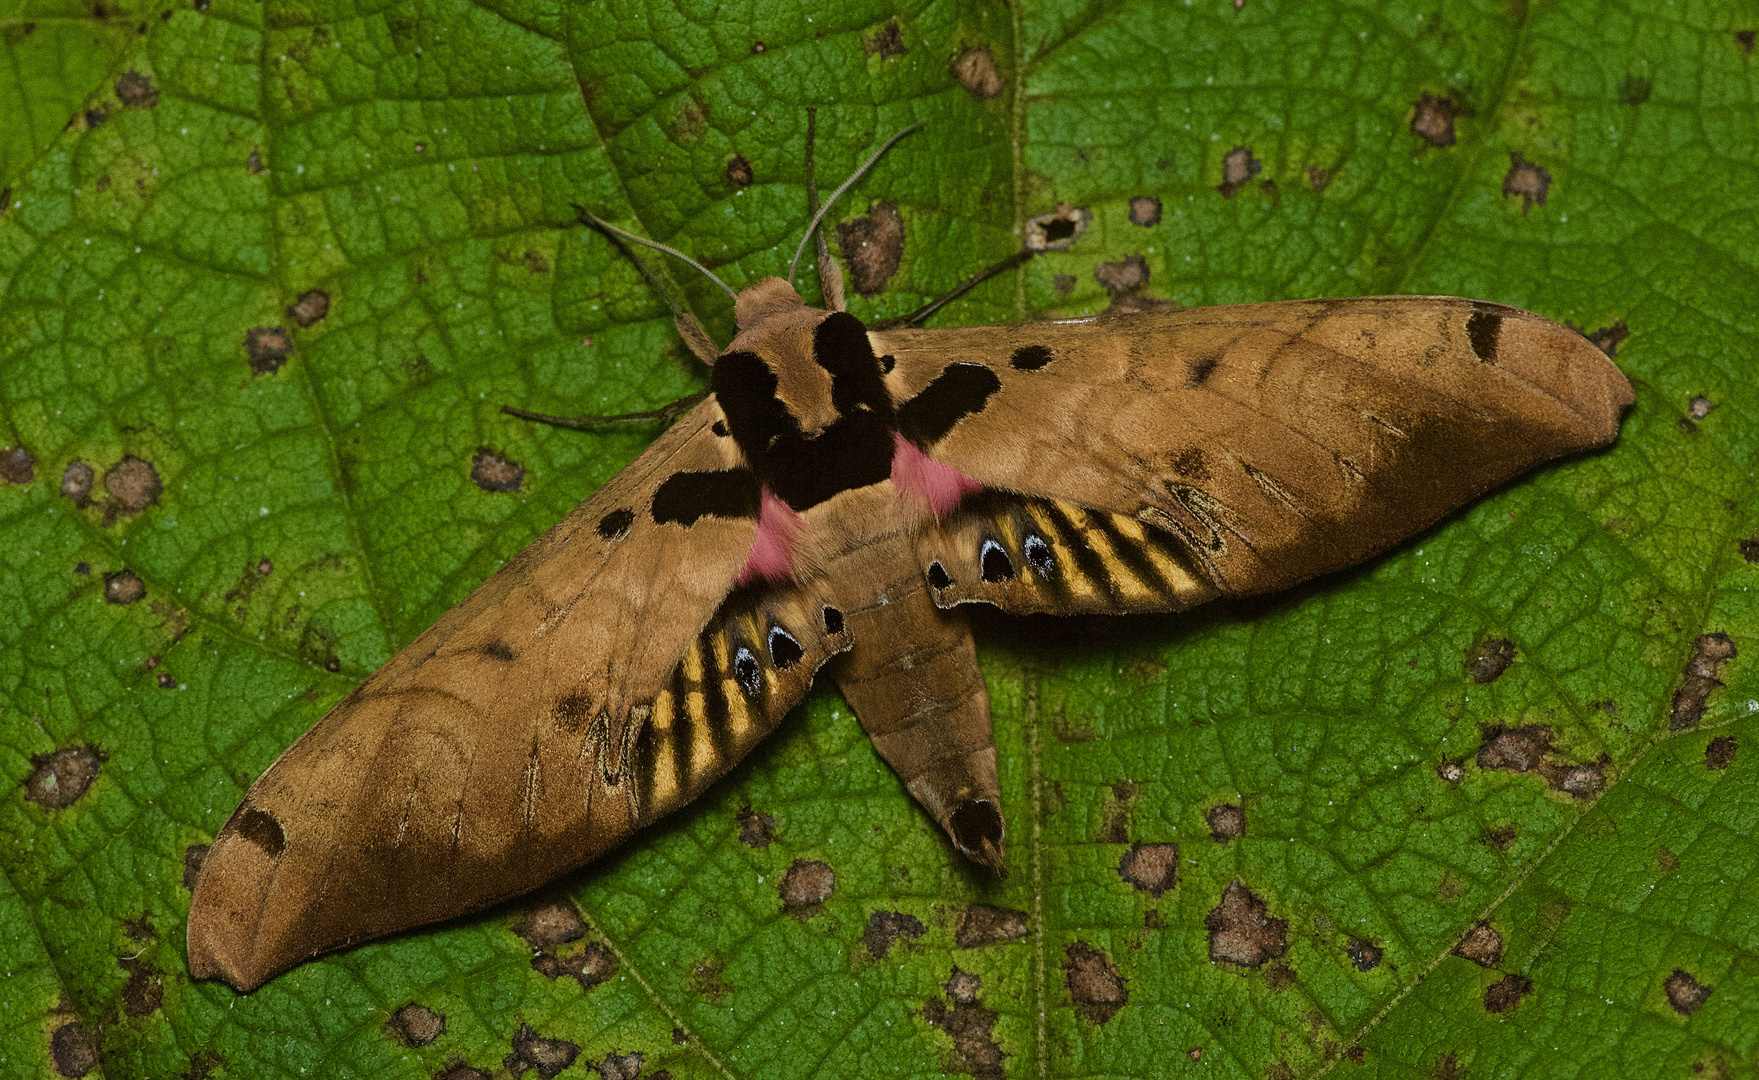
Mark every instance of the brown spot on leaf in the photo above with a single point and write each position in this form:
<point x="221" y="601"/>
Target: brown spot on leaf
<point x="976" y="71"/>
<point x="1685" y="993"/>
<point x="415" y="1025"/>
<point x="1226" y="821"/>
<point x="1317" y="178"/>
<point x="134" y="484"/>
<point x="1238" y="166"/>
<point x="136" y="91"/>
<point x="620" y="1066"/>
<point x="76" y="482"/>
<point x="1489" y="659"/>
<point x="1095" y="985"/>
<point x="806" y="886"/>
<point x="1720" y="752"/>
<point x="533" y="1052"/>
<point x="885" y="927"/>
<point x="312" y="305"/>
<point x="886" y="42"/>
<point x="1452" y="770"/>
<point x="1608" y="338"/>
<point x="267" y="347"/>
<point x="1527" y="180"/>
<point x="1507" y="992"/>
<point x="739" y="172"/>
<point x="708" y="978"/>
<point x="1516" y="749"/>
<point x="59" y="778"/>
<point x="193" y="855"/>
<point x="1126" y="275"/>
<point x="492" y="472"/>
<point x="1482" y="945"/>
<point x="758" y="48"/>
<point x="144" y="991"/>
<point x="1699" y="407"/>
<point x="1364" y="955"/>
<point x="975" y="1050"/>
<point x="1194" y="1055"/>
<point x="1746" y="39"/>
<point x="873" y="246"/>
<point x="1666" y="861"/>
<point x="549" y="924"/>
<point x="1136" y="303"/>
<point x="15" y="466"/>
<point x="756" y="828"/>
<point x="1153" y="868"/>
<point x="458" y="1070"/>
<point x="1451" y="887"/>
<point x="1057" y="230"/>
<point x="1242" y="931"/>
<point x="1145" y="211"/>
<point x="1702" y="675"/>
<point x="253" y="161"/>
<point x="984" y="925"/>
<point x="1120" y="804"/>
<point x="140" y="929"/>
<point x="70" y="1050"/>
<point x="1448" y="1067"/>
<point x="1635" y="90"/>
<point x="1063" y="283"/>
<point x="202" y="1065"/>
<point x="1432" y="119"/>
<point x="591" y="966"/>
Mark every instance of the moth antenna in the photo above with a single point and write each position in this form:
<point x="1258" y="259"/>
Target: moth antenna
<point x="837" y="194"/>
<point x="830" y="275"/>
<point x="600" y="223"/>
<point x="667" y="413"/>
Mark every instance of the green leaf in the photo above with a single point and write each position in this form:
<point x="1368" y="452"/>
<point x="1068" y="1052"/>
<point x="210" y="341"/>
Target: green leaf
<point x="233" y="502"/>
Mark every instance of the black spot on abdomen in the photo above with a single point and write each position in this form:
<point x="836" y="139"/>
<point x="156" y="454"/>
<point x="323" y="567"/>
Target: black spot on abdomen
<point x="1482" y="329"/>
<point x="1031" y="357"/>
<point x="960" y="391"/>
<point x="261" y="829"/>
<point x="727" y="493"/>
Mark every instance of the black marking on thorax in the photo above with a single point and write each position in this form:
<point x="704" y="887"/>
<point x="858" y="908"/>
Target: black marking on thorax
<point x="961" y="390"/>
<point x="855" y="451"/>
<point x="1482" y="329"/>
<point x="687" y="496"/>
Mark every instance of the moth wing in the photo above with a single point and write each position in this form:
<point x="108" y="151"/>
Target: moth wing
<point x="1160" y="459"/>
<point x="578" y="693"/>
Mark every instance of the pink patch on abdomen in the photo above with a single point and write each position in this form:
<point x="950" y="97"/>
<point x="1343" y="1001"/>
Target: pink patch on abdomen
<point x="942" y="485"/>
<point x="772" y="552"/>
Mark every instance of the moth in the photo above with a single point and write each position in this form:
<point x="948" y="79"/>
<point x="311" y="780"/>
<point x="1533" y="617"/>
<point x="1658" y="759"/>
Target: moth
<point x="837" y="498"/>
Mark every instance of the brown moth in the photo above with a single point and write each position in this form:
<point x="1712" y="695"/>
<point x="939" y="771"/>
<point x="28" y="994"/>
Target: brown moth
<point x="835" y="499"/>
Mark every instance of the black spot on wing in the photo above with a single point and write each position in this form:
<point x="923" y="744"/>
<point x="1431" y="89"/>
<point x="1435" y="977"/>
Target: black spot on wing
<point x="960" y="391"/>
<point x="1200" y="369"/>
<point x="993" y="562"/>
<point x="937" y="575"/>
<point x="1031" y="357"/>
<point x="498" y="650"/>
<point x="261" y="829"/>
<point x="727" y="493"/>
<point x="615" y="525"/>
<point x="1482" y="329"/>
<point x="833" y="620"/>
<point x="747" y="670"/>
<point x="573" y="712"/>
<point x="745" y="388"/>
<point x="785" y="652"/>
<point x="719" y="427"/>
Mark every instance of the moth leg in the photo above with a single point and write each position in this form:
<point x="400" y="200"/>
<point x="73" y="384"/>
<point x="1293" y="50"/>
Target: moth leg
<point x="830" y="275"/>
<point x="913" y="681"/>
<point x="667" y="413"/>
<point x="922" y="314"/>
